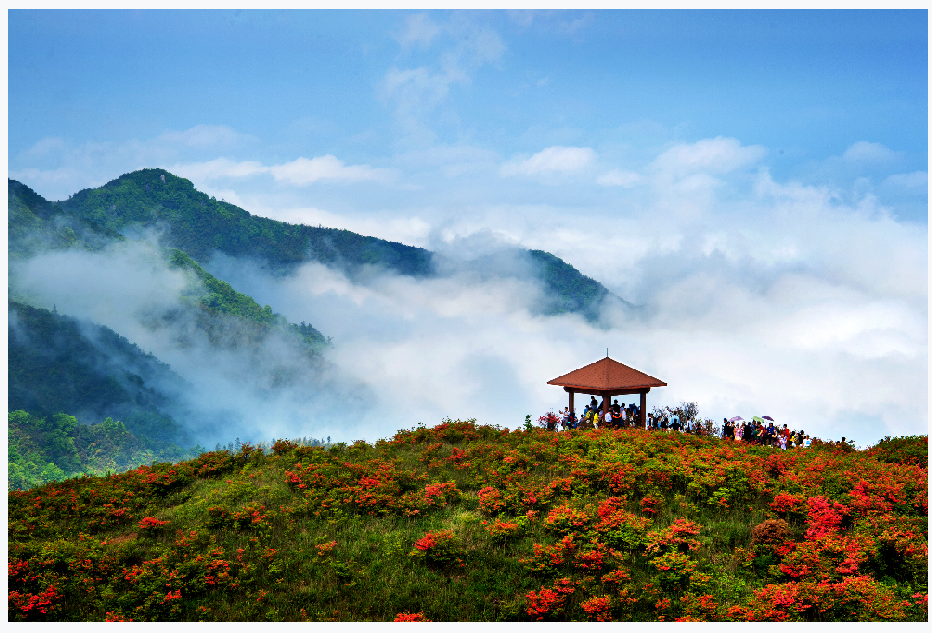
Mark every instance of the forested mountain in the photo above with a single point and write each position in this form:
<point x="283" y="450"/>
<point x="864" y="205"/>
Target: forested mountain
<point x="34" y="224"/>
<point x="59" y="364"/>
<point x="570" y="290"/>
<point x="214" y="297"/>
<point x="199" y="225"/>
<point x="53" y="448"/>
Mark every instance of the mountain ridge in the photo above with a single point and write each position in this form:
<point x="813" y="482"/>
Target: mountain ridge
<point x="199" y="224"/>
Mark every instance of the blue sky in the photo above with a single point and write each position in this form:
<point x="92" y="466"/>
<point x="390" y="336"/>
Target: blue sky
<point x="759" y="178"/>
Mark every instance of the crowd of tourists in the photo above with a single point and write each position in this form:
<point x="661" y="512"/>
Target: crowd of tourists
<point x="769" y="434"/>
<point x="760" y="431"/>
<point x="593" y="416"/>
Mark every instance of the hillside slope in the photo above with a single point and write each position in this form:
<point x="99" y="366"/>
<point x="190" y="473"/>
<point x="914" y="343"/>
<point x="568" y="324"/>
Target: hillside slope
<point x="462" y="522"/>
<point x="59" y="364"/>
<point x="54" y="448"/>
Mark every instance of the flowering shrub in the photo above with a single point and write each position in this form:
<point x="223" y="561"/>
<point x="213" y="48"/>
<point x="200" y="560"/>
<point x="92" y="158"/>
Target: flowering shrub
<point x="440" y="549"/>
<point x="592" y="557"/>
<point x="505" y="531"/>
<point x="151" y="525"/>
<point x="650" y="504"/>
<point x="548" y="559"/>
<point x="676" y="537"/>
<point x="440" y="494"/>
<point x="283" y="447"/>
<point x="564" y="519"/>
<point x="411" y="617"/>
<point x="549" y="420"/>
<point x="548" y="603"/>
<point x="699" y="608"/>
<point x="325" y="548"/>
<point x="675" y="569"/>
<point x="789" y="506"/>
<point x="490" y="501"/>
<point x="218" y="516"/>
<point x="825" y="517"/>
<point x="32" y="606"/>
<point x="598" y="608"/>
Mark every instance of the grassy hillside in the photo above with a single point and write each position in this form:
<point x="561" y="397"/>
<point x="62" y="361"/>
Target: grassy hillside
<point x="476" y="523"/>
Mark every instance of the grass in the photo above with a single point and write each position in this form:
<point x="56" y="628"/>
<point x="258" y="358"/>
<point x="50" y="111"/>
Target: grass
<point x="308" y="534"/>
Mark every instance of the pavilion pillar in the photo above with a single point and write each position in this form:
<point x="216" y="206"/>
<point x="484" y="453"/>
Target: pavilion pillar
<point x="606" y="399"/>
<point x="643" y="415"/>
<point x="572" y="410"/>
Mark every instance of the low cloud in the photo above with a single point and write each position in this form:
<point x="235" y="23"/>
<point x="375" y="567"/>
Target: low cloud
<point x="234" y="390"/>
<point x="864" y="151"/>
<point x="620" y="178"/>
<point x="551" y="160"/>
<point x="716" y="156"/>
<point x="304" y="171"/>
<point x="301" y="171"/>
<point x="913" y="180"/>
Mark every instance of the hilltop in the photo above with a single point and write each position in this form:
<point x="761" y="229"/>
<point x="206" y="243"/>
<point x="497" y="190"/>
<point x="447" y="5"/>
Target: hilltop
<point x="465" y="522"/>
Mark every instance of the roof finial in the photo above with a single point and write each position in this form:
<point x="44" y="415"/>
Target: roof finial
<point x="606" y="352"/>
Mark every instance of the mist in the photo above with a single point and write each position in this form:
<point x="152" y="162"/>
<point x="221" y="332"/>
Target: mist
<point x="230" y="390"/>
<point x="756" y="316"/>
<point x="754" y="297"/>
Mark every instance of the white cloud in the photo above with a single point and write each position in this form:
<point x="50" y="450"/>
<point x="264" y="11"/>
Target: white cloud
<point x="418" y="93"/>
<point x="219" y="168"/>
<point x="551" y="160"/>
<point x="420" y="30"/>
<point x="301" y="171"/>
<point x="864" y="151"/>
<point x="620" y="178"/>
<point x="56" y="168"/>
<point x="57" y="181"/>
<point x="452" y="161"/>
<point x="46" y="146"/>
<point x="717" y="156"/>
<point x="913" y="180"/>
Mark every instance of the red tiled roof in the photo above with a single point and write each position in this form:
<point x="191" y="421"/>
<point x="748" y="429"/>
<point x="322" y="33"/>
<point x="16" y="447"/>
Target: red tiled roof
<point x="607" y="375"/>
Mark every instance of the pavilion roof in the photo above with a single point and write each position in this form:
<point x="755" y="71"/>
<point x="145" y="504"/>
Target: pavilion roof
<point x="607" y="375"/>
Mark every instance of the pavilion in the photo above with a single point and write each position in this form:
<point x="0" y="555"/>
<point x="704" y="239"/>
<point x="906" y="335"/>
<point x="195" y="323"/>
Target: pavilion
<point x="607" y="378"/>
